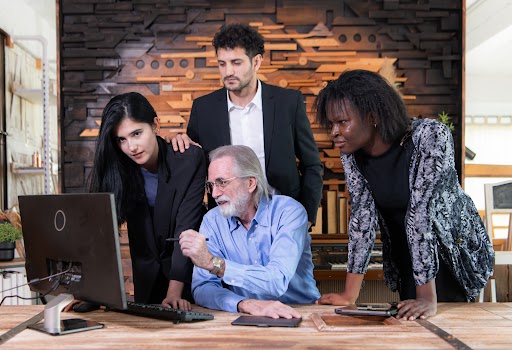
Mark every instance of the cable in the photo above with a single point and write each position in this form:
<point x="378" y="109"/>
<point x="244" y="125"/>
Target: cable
<point x="55" y="285"/>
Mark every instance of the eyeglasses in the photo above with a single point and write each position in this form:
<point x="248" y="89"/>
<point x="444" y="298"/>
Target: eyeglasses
<point x="221" y="184"/>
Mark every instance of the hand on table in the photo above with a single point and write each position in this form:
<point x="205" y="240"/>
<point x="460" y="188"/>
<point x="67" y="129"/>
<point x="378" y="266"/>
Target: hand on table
<point x="412" y="309"/>
<point x="176" y="303"/>
<point x="268" y="308"/>
<point x="334" y="299"/>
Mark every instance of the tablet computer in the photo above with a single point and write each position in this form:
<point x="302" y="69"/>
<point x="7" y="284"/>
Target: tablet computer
<point x="385" y="310"/>
<point x="262" y="321"/>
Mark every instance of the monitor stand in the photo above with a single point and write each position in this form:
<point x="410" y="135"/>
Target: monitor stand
<point x="55" y="326"/>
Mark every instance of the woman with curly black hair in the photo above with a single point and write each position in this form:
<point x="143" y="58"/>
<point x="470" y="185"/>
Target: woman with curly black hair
<point x="401" y="177"/>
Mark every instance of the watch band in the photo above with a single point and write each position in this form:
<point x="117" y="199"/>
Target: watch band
<point x="217" y="265"/>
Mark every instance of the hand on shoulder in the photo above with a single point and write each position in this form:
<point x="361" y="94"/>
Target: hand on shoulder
<point x="180" y="142"/>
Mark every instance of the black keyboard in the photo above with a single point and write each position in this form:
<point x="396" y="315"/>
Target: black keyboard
<point x="164" y="313"/>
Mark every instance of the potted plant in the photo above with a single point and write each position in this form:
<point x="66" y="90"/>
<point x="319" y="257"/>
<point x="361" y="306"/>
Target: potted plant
<point x="9" y="234"/>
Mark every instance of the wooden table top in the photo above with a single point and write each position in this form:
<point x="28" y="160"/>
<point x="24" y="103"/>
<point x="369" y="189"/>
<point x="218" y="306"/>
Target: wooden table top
<point x="480" y="326"/>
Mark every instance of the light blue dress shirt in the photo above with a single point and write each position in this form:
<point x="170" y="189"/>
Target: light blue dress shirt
<point x="270" y="261"/>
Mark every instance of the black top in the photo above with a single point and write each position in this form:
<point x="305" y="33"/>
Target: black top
<point x="388" y="178"/>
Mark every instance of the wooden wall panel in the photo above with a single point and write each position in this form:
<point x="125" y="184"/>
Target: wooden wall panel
<point x="162" y="49"/>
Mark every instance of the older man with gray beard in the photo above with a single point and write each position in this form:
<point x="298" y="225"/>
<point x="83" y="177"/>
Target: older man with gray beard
<point x="258" y="244"/>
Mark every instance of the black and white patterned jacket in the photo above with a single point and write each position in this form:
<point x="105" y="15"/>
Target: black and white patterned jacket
<point x="441" y="220"/>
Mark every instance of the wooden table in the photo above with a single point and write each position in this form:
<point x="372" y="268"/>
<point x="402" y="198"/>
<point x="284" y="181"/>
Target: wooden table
<point x="480" y="326"/>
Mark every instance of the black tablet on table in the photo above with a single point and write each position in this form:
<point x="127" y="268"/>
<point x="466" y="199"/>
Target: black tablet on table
<point x="262" y="321"/>
<point x="385" y="310"/>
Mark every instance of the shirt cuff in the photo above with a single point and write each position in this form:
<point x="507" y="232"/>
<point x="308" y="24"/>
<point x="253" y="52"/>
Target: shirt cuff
<point x="234" y="274"/>
<point x="232" y="303"/>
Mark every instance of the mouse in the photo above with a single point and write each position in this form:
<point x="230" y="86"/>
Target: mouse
<point x="85" y="306"/>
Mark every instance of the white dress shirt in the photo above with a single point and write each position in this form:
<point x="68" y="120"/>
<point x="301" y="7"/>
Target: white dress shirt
<point x="246" y="125"/>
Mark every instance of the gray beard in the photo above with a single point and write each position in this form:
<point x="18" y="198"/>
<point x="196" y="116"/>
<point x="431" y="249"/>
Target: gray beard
<point x="236" y="207"/>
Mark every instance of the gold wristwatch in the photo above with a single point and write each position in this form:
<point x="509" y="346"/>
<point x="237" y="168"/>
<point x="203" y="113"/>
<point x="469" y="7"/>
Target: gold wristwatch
<point x="217" y="265"/>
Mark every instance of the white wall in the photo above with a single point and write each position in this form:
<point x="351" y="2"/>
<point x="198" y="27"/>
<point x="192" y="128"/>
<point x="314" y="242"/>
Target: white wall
<point x="24" y="116"/>
<point x="31" y="17"/>
<point x="488" y="95"/>
<point x="492" y="144"/>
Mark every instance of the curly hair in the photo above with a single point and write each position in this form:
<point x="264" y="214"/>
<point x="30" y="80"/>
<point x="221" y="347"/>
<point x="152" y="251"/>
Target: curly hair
<point x="370" y="95"/>
<point x="239" y="35"/>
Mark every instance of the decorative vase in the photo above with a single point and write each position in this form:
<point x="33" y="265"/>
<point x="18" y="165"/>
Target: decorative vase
<point x="7" y="251"/>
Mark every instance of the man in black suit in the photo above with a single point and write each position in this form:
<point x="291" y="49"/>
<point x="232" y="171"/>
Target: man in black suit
<point x="270" y="120"/>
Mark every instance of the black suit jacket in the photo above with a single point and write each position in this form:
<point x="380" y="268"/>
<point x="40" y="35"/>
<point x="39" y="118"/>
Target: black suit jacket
<point x="178" y="207"/>
<point x="287" y="134"/>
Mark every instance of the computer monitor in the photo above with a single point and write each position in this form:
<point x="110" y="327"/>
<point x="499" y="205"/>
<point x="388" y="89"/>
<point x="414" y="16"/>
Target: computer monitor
<point x="498" y="202"/>
<point x="79" y="233"/>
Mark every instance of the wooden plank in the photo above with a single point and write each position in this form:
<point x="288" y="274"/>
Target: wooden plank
<point x="286" y="36"/>
<point x="325" y="54"/>
<point x="488" y="170"/>
<point x="194" y="88"/>
<point x="339" y="68"/>
<point x="210" y="76"/>
<point x="156" y="79"/>
<point x="90" y="133"/>
<point x="201" y="54"/>
<point x="284" y="63"/>
<point x="319" y="42"/>
<point x="180" y="104"/>
<point x="171" y="119"/>
<point x="334" y="153"/>
<point x="281" y="46"/>
<point x="199" y="38"/>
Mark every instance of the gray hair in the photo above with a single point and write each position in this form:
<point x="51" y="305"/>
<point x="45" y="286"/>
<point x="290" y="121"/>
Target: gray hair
<point x="247" y="164"/>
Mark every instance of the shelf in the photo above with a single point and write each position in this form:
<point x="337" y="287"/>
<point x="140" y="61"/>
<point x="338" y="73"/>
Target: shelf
<point x="20" y="169"/>
<point x="17" y="262"/>
<point x="33" y="95"/>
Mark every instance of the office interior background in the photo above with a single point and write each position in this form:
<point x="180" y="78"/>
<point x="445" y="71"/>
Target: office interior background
<point x="30" y="52"/>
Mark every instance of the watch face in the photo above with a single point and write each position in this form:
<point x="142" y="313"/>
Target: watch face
<point x="217" y="262"/>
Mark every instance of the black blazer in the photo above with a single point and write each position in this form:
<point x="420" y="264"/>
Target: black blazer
<point x="287" y="134"/>
<point x="178" y="207"/>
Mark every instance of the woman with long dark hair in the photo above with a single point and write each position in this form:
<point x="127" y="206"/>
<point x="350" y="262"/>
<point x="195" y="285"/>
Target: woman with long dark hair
<point x="158" y="192"/>
<point x="401" y="177"/>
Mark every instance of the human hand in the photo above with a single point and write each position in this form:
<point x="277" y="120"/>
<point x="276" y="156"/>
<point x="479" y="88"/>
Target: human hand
<point x="180" y="142"/>
<point x="193" y="245"/>
<point x="175" y="302"/>
<point x="334" y="299"/>
<point x="268" y="308"/>
<point x="412" y="309"/>
<point x="71" y="305"/>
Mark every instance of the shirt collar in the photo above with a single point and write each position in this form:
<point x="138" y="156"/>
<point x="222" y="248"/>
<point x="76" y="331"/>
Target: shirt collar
<point x="261" y="217"/>
<point x="256" y="100"/>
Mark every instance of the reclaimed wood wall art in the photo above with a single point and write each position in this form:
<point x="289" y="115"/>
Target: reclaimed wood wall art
<point x="162" y="49"/>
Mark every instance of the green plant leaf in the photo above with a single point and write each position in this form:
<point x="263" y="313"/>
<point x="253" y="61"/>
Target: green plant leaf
<point x="9" y="233"/>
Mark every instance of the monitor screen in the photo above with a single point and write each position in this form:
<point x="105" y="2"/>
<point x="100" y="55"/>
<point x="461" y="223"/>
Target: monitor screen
<point x="76" y="232"/>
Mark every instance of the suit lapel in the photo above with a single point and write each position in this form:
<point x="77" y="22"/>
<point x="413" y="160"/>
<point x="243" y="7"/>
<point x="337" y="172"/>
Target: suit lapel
<point x="221" y="118"/>
<point x="268" y="119"/>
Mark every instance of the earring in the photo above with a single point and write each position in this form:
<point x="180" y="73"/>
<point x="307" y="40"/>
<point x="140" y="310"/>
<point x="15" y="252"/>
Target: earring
<point x="375" y="125"/>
